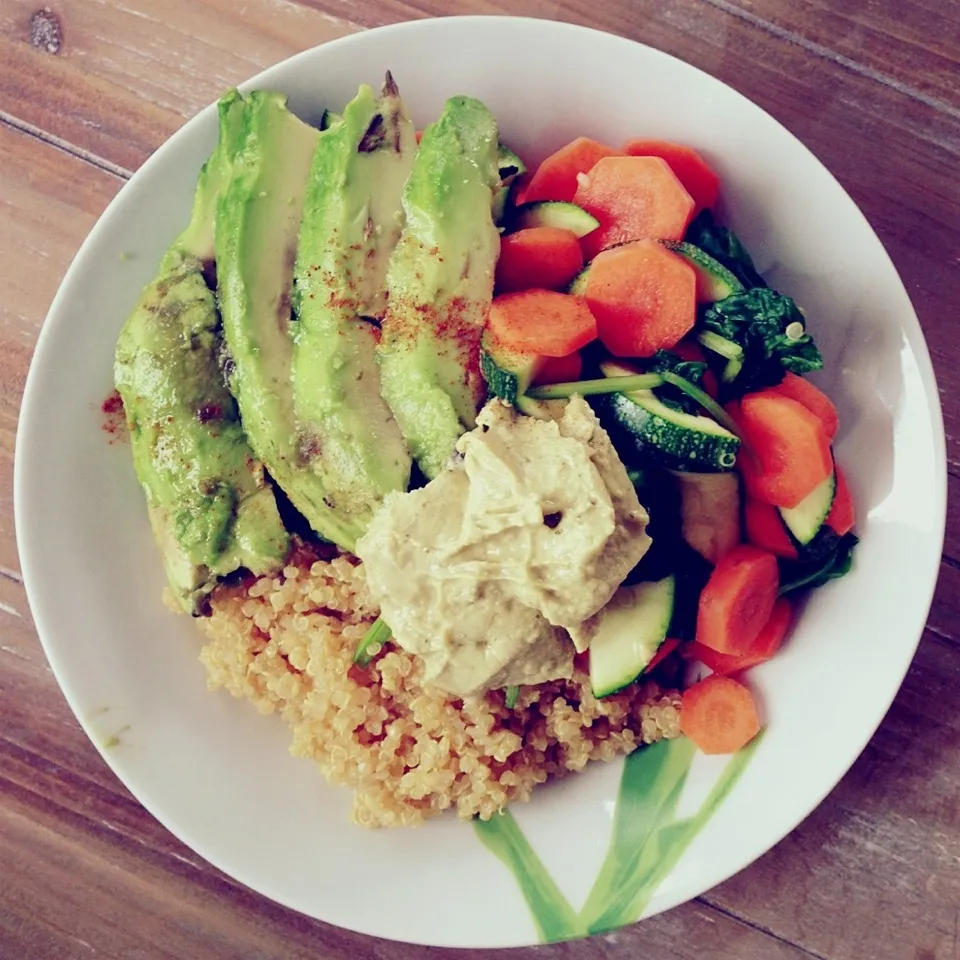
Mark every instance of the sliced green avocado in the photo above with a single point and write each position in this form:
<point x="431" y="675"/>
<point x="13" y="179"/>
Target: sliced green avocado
<point x="351" y="224"/>
<point x="211" y="509"/>
<point x="258" y="221"/>
<point x="440" y="283"/>
<point x="196" y="241"/>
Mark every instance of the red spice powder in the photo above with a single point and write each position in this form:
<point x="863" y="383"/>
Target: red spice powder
<point x="114" y="422"/>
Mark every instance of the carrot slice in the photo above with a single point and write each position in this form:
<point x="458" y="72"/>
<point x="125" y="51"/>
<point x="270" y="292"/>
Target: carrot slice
<point x="719" y="715"/>
<point x="768" y="642"/>
<point x="691" y="169"/>
<point x="560" y="369"/>
<point x="663" y="651"/>
<point x="633" y="198"/>
<point x="556" y="177"/>
<point x="643" y="296"/>
<point x="841" y="517"/>
<point x="765" y="529"/>
<point x="737" y="600"/>
<point x="790" y="447"/>
<point x="816" y="401"/>
<point x="541" y="321"/>
<point x="543" y="257"/>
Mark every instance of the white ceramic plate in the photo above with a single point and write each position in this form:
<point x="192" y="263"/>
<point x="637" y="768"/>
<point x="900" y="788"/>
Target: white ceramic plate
<point x="217" y="774"/>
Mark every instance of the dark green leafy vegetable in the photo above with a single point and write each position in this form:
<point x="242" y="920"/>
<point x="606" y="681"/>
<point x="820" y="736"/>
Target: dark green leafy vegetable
<point x="769" y="328"/>
<point x="808" y="574"/>
<point x="665" y="361"/>
<point x="722" y="244"/>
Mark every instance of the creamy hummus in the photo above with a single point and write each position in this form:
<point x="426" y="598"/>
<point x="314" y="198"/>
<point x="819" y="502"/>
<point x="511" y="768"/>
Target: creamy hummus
<point x="486" y="571"/>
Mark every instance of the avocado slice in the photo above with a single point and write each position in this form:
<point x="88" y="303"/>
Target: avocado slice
<point x="351" y="224"/>
<point x="211" y="509"/>
<point x="440" y="283"/>
<point x="259" y="215"/>
<point x="210" y="506"/>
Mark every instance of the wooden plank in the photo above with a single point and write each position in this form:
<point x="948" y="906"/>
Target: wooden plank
<point x="875" y="870"/>
<point x="912" y="45"/>
<point x="49" y="200"/>
<point x="128" y="75"/>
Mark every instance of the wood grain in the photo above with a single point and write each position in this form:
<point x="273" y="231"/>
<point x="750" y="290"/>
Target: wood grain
<point x="869" y="85"/>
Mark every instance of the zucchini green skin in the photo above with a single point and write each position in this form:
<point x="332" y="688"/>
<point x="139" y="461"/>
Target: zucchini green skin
<point x="804" y="521"/>
<point x="509" y="374"/>
<point x="555" y="213"/>
<point x="644" y="434"/>
<point x="630" y="635"/>
<point x="714" y="281"/>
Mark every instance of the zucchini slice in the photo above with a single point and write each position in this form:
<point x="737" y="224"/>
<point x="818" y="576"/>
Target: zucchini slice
<point x="714" y="280"/>
<point x="509" y="374"/>
<point x="628" y="632"/>
<point x="555" y="213"/>
<point x="578" y="285"/>
<point x="659" y="434"/>
<point x="803" y="522"/>
<point x="510" y="166"/>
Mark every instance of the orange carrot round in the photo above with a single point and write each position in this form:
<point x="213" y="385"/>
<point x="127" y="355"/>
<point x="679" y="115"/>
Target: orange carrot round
<point x="719" y="715"/>
<point x="765" y="529"/>
<point x="761" y="650"/>
<point x="790" y="446"/>
<point x="633" y="198"/>
<point x="737" y="599"/>
<point x="541" y="321"/>
<point x="643" y="296"/>
<point x="841" y="517"/>
<point x="545" y="258"/>
<point x="560" y="369"/>
<point x="556" y="177"/>
<point x="691" y="169"/>
<point x="816" y="401"/>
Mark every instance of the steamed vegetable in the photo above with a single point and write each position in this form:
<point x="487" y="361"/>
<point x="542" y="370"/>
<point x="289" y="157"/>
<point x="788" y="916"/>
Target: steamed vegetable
<point x="556" y="177"/>
<point x="760" y="651"/>
<point x="689" y="167"/>
<point x="547" y="258"/>
<point x="806" y="575"/>
<point x="719" y="715"/>
<point x="555" y="213"/>
<point x="634" y="198"/>
<point x="841" y="517"/>
<point x="643" y="296"/>
<point x="737" y="600"/>
<point x="816" y="401"/>
<point x="722" y="244"/>
<point x="765" y="529"/>
<point x="769" y="330"/>
<point x="541" y="321"/>
<point x="789" y="451"/>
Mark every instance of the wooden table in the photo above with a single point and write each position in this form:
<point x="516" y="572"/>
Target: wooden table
<point x="88" y="91"/>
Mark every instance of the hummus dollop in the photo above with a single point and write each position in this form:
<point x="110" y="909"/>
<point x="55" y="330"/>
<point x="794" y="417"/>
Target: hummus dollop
<point x="487" y="570"/>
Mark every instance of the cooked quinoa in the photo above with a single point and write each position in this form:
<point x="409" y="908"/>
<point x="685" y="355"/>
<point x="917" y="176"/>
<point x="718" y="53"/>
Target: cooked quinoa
<point x="286" y="643"/>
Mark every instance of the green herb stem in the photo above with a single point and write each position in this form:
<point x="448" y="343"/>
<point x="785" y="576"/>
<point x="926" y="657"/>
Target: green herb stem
<point x="705" y="401"/>
<point x="510" y="699"/>
<point x="587" y="388"/>
<point x="369" y="646"/>
<point x="721" y="345"/>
